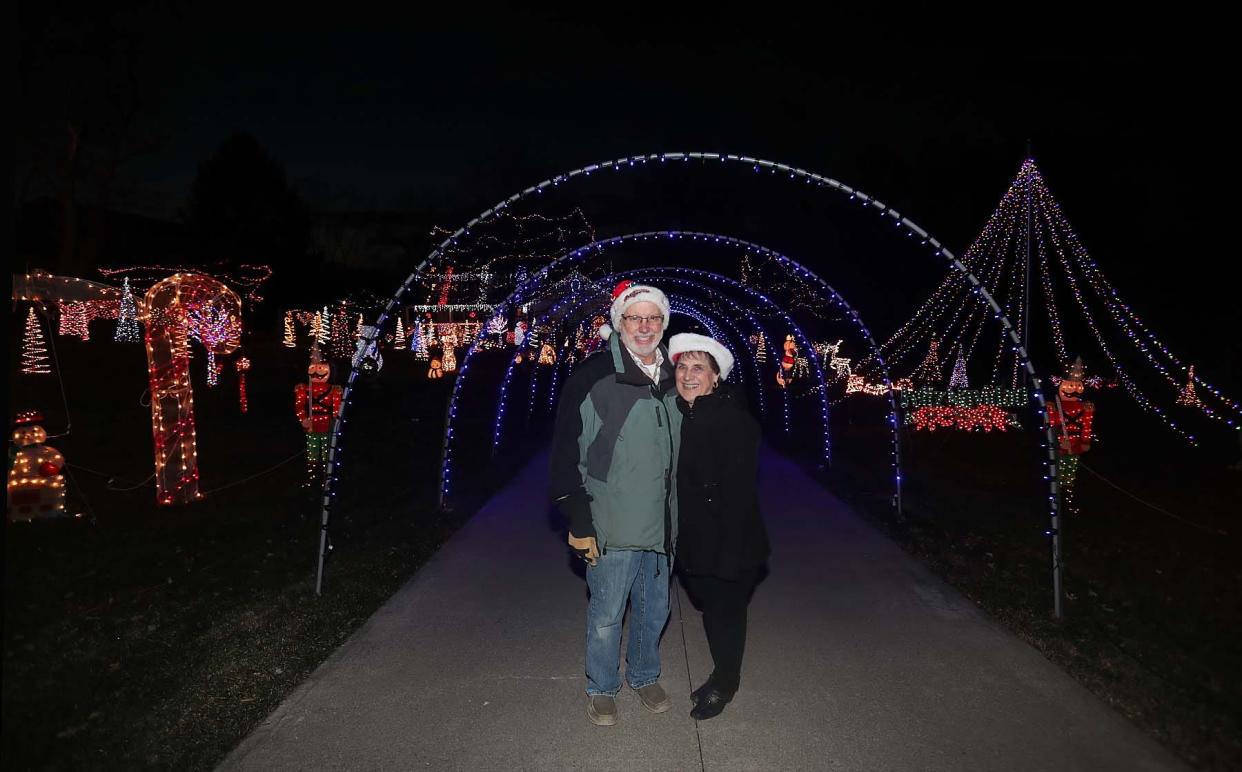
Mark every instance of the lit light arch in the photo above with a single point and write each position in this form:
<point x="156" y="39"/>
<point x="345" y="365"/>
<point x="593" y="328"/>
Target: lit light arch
<point x="666" y="277"/>
<point x="757" y="165"/>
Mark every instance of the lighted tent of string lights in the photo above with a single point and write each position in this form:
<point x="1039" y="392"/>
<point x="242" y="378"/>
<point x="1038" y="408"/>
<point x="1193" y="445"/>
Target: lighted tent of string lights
<point x="779" y="263"/>
<point x="1029" y="257"/>
<point x="955" y="369"/>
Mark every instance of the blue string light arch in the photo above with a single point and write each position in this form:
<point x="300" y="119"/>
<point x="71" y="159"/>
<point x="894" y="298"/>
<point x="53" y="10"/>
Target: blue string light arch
<point x="757" y="165"/>
<point x="661" y="276"/>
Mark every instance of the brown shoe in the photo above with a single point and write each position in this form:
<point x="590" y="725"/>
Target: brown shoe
<point x="602" y="710"/>
<point x="654" y="698"/>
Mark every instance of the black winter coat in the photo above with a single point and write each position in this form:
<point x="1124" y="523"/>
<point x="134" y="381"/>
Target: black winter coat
<point x="720" y="529"/>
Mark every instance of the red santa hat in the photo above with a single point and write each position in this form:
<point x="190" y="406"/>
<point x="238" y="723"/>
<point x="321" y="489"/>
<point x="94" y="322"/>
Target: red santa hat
<point x="626" y="294"/>
<point x="690" y="341"/>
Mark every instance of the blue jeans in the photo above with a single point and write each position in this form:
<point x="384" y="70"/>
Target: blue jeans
<point x="642" y="578"/>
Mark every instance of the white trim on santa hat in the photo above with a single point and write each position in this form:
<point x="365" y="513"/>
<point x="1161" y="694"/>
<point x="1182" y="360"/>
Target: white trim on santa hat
<point x="627" y="294"/>
<point x="691" y="341"/>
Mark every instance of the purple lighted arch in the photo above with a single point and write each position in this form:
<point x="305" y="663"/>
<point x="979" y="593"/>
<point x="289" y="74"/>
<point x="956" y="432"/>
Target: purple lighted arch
<point x="712" y="239"/>
<point x="498" y="422"/>
<point x="446" y="459"/>
<point x="757" y="165"/>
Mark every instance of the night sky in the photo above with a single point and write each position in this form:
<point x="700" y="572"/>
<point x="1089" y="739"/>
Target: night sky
<point x="450" y="114"/>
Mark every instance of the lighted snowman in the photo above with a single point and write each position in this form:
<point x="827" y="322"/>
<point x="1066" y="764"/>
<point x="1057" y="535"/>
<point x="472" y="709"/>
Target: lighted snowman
<point x="36" y="485"/>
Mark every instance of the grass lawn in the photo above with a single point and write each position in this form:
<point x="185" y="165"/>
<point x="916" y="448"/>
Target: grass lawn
<point x="139" y="635"/>
<point x="1153" y="605"/>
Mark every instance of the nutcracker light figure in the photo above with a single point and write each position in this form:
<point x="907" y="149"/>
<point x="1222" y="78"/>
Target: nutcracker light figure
<point x="36" y="485"/>
<point x="316" y="403"/>
<point x="1070" y="417"/>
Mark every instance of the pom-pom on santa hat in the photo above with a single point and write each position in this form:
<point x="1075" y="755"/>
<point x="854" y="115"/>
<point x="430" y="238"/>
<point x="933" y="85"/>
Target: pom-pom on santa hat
<point x="626" y="294"/>
<point x="690" y="341"/>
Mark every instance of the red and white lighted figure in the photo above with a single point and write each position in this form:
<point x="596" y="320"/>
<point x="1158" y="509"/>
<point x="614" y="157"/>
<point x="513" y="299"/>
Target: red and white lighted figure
<point x="317" y="402"/>
<point x="1071" y="417"/>
<point x="36" y="485"/>
<point x="181" y="305"/>
<point x="786" y="372"/>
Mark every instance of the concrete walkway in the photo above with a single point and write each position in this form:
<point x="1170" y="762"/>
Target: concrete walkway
<point x="857" y="659"/>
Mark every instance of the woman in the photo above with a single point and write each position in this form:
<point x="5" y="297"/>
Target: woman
<point x="722" y="544"/>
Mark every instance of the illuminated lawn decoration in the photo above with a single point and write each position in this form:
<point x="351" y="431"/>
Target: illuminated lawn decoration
<point x="787" y="373"/>
<point x="289" y="341"/>
<point x="127" y="330"/>
<point x="828" y="354"/>
<point x="418" y="340"/>
<point x="316" y="403"/>
<point x="175" y="308"/>
<point x="34" y="348"/>
<point x="74" y="320"/>
<point x="1188" y="397"/>
<point x="36" y="485"/>
<point x="1031" y="258"/>
<point x="341" y="341"/>
<point x="760" y="343"/>
<point x="1071" y="418"/>
<point x="243" y="366"/>
<point x="218" y="330"/>
<point x="959" y="380"/>
<point x="449" y="342"/>
<point x="249" y="278"/>
<point x="316" y="328"/>
<point x="985" y="417"/>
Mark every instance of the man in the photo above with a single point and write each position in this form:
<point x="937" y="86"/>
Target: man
<point x="613" y="466"/>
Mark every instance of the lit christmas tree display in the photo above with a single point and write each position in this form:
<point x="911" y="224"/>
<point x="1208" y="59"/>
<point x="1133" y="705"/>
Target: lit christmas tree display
<point x="958" y="379"/>
<point x="929" y="371"/>
<point x="341" y="343"/>
<point x="289" y="340"/>
<point x="1189" y="397"/>
<point x="399" y="338"/>
<point x="34" y="348"/>
<point x="418" y="341"/>
<point x="127" y="323"/>
<point x="1037" y="271"/>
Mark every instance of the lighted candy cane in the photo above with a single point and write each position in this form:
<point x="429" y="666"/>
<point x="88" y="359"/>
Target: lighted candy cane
<point x="171" y="307"/>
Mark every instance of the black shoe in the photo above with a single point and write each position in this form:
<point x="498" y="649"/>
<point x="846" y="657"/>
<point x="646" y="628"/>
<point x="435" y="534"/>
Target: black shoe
<point x="696" y="696"/>
<point x="711" y="704"/>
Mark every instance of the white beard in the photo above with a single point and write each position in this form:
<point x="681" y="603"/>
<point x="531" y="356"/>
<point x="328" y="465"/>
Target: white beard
<point x="637" y="348"/>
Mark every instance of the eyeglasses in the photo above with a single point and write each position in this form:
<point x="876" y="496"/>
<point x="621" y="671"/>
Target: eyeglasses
<point x="636" y="319"/>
